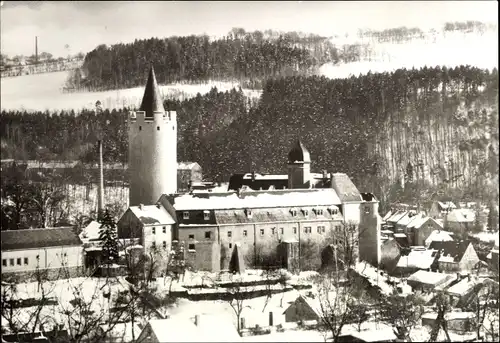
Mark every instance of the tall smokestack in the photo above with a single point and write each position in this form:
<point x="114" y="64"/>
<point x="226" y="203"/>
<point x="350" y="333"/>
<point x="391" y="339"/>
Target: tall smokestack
<point x="36" y="49"/>
<point x="100" y="198"/>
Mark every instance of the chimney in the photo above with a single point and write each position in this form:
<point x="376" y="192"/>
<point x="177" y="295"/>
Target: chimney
<point x="197" y="320"/>
<point x="100" y="198"/>
<point x="141" y="207"/>
<point x="469" y="278"/>
<point x="253" y="176"/>
<point x="458" y="276"/>
<point x="325" y="175"/>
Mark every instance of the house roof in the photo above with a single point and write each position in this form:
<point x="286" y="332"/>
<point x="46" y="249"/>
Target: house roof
<point x="421" y="259"/>
<point x="152" y="215"/>
<point x="346" y="190"/>
<point x="387" y="215"/>
<point x="238" y="216"/>
<point x="452" y="249"/>
<point x="91" y="231"/>
<point x="461" y="215"/>
<point x="299" y="153"/>
<point x="152" y="100"/>
<point x="39" y="238"/>
<point x="210" y="328"/>
<point x="438" y="236"/>
<point x="429" y="278"/>
<point x="396" y="216"/>
<point x="407" y="218"/>
<point x="446" y="205"/>
<point x="464" y="286"/>
<point x="402" y="240"/>
<point x="256" y="199"/>
<point x="420" y="220"/>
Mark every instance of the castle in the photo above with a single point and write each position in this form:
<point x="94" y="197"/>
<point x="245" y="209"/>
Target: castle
<point x="294" y="220"/>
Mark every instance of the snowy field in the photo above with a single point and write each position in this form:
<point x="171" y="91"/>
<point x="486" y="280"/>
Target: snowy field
<point x="40" y="92"/>
<point x="449" y="49"/>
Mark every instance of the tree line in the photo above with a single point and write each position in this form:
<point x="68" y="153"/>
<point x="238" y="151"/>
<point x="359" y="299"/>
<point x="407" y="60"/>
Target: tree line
<point x="338" y="120"/>
<point x="239" y="55"/>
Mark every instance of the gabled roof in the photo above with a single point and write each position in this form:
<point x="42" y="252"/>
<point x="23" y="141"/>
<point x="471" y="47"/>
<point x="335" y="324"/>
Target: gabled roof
<point x="438" y="236"/>
<point x="461" y="216"/>
<point x="91" y="231"/>
<point x="420" y="259"/>
<point x="421" y="220"/>
<point x="299" y="153"/>
<point x="152" y="215"/>
<point x="39" y="238"/>
<point x="396" y="216"/>
<point x="407" y="218"/>
<point x="152" y="100"/>
<point x="446" y="205"/>
<point x="387" y="216"/>
<point x="345" y="188"/>
<point x="451" y="249"/>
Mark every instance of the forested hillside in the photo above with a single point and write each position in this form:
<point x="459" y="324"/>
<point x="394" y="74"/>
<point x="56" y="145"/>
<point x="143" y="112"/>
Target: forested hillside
<point x="244" y="56"/>
<point x="444" y="122"/>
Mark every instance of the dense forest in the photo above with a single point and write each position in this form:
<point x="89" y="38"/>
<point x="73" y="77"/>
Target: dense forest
<point x="249" y="57"/>
<point x="443" y="122"/>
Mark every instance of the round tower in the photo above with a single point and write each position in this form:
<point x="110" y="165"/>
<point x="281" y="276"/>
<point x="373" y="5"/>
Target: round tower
<point x="152" y="148"/>
<point x="299" y="167"/>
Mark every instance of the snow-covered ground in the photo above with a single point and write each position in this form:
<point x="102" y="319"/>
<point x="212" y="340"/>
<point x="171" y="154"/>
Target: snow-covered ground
<point x="42" y="92"/>
<point x="442" y="49"/>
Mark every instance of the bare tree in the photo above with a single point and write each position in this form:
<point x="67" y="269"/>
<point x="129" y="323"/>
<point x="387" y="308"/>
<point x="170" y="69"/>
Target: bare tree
<point x="485" y="305"/>
<point x="236" y="299"/>
<point x="403" y="312"/>
<point x="443" y="306"/>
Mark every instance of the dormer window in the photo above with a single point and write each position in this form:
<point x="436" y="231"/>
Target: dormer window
<point x="206" y="215"/>
<point x="293" y="212"/>
<point x="185" y="215"/>
<point x="248" y="212"/>
<point x="319" y="211"/>
<point x="306" y="212"/>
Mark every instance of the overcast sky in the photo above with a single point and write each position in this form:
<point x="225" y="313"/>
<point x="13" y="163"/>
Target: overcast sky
<point x="84" y="25"/>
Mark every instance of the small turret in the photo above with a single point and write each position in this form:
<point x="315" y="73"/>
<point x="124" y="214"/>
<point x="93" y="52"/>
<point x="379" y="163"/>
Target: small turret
<point x="299" y="167"/>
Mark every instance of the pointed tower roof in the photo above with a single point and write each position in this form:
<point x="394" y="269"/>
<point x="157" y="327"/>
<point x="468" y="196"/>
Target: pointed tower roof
<point x="299" y="153"/>
<point x="151" y="101"/>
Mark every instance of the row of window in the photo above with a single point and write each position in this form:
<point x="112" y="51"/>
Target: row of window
<point x="164" y="244"/>
<point x="157" y="128"/>
<point x="154" y="230"/>
<point x="307" y="229"/>
<point x="206" y="214"/>
<point x="12" y="260"/>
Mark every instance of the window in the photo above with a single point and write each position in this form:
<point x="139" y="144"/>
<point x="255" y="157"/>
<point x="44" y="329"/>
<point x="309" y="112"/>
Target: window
<point x="307" y="229"/>
<point x="367" y="209"/>
<point x="37" y="257"/>
<point x="208" y="234"/>
<point x="185" y="215"/>
<point x="191" y="236"/>
<point x="293" y="212"/>
<point x="249" y="213"/>
<point x="191" y="247"/>
<point x="230" y="245"/>
<point x="294" y="230"/>
<point x="164" y="245"/>
<point x="153" y="230"/>
<point x="11" y="261"/>
<point x="164" y="229"/>
<point x="206" y="215"/>
<point x="282" y="230"/>
<point x="4" y="262"/>
<point x="323" y="229"/>
<point x="65" y="255"/>
<point x="140" y="128"/>
<point x="306" y="213"/>
<point x="245" y="233"/>
<point x="337" y="227"/>
<point x="153" y="244"/>
<point x="158" y="128"/>
<point x="229" y="234"/>
<point x="262" y="232"/>
<point x="273" y="229"/>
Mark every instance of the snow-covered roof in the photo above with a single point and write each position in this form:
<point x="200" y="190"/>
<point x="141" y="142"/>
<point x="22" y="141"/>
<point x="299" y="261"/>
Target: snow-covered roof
<point x="421" y="259"/>
<point x="446" y="205"/>
<point x="461" y="215"/>
<point x="396" y="216"/>
<point x="121" y="332"/>
<point x="387" y="216"/>
<point x="438" y="236"/>
<point x="152" y="215"/>
<point x="210" y="328"/>
<point x="257" y="199"/>
<point x="187" y="165"/>
<point x="91" y="231"/>
<point x="463" y="287"/>
<point x="429" y="278"/>
<point x="407" y="218"/>
<point x="421" y="220"/>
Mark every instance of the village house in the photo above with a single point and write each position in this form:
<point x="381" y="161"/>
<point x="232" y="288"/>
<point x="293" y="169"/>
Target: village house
<point x="456" y="321"/>
<point x="469" y="288"/>
<point x="55" y="250"/>
<point x="493" y="257"/>
<point x="439" y="209"/>
<point x="455" y="256"/>
<point x="459" y="221"/>
<point x="418" y="258"/>
<point x="419" y="229"/>
<point x="303" y="309"/>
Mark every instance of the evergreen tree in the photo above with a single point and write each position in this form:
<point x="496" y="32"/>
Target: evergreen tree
<point x="108" y="236"/>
